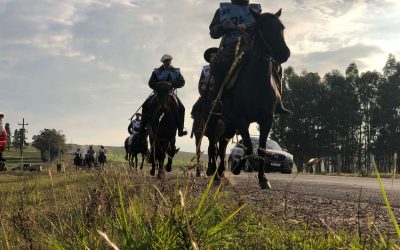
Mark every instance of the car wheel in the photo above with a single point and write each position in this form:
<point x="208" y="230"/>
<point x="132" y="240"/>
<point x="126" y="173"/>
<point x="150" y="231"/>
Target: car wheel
<point x="287" y="171"/>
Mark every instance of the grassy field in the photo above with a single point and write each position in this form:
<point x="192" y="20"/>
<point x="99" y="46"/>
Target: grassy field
<point x="130" y="210"/>
<point x="117" y="208"/>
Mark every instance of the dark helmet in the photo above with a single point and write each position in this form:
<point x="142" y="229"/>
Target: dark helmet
<point x="240" y="2"/>
<point x="102" y="147"/>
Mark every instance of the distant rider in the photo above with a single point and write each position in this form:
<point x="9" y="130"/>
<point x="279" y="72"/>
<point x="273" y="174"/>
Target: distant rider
<point x="134" y="127"/>
<point x="102" y="150"/>
<point x="3" y="137"/>
<point x="168" y="73"/>
<point x="78" y="153"/>
<point x="205" y="83"/>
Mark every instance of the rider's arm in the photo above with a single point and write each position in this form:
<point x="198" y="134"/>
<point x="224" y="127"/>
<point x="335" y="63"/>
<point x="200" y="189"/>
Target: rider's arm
<point x="180" y="82"/>
<point x="216" y="29"/>
<point x="130" y="128"/>
<point x="153" y="80"/>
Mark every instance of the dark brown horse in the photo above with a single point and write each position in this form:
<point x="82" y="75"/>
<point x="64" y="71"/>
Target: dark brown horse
<point x="163" y="126"/>
<point x="253" y="97"/>
<point x="138" y="146"/>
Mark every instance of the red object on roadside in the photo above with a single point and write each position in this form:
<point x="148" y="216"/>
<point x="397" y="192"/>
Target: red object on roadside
<point x="3" y="140"/>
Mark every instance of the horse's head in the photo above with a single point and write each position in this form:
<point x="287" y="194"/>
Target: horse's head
<point x="162" y="91"/>
<point x="270" y="32"/>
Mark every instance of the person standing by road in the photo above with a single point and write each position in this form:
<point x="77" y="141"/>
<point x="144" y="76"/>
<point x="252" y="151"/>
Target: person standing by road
<point x="3" y="137"/>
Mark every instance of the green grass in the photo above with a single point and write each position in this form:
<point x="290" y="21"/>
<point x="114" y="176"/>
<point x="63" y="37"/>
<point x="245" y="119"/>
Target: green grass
<point x="91" y="210"/>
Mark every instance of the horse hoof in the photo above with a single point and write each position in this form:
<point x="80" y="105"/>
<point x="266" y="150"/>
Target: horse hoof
<point x="221" y="175"/>
<point x="160" y="175"/>
<point x="264" y="184"/>
<point x="152" y="172"/>
<point x="210" y="171"/>
<point x="236" y="170"/>
<point x="217" y="180"/>
<point x="168" y="168"/>
<point x="198" y="174"/>
<point x="141" y="167"/>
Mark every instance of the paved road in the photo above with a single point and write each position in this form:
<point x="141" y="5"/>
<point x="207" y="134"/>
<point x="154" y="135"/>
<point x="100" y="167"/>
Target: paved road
<point x="335" y="201"/>
<point x="335" y="187"/>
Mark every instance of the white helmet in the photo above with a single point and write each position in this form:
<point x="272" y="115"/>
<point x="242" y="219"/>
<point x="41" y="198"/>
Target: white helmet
<point x="166" y="57"/>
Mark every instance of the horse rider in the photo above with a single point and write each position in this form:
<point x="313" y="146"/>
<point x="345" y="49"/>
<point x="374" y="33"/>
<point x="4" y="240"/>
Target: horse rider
<point x="168" y="73"/>
<point x="78" y="153"/>
<point x="231" y="21"/>
<point x="90" y="151"/>
<point x="205" y="86"/>
<point x="134" y="125"/>
<point x="3" y="137"/>
<point x="102" y="150"/>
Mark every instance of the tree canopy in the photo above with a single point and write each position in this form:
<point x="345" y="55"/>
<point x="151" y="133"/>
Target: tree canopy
<point x="349" y="119"/>
<point x="49" y="142"/>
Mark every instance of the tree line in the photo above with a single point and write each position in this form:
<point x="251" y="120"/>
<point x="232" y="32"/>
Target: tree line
<point x="49" y="142"/>
<point x="348" y="120"/>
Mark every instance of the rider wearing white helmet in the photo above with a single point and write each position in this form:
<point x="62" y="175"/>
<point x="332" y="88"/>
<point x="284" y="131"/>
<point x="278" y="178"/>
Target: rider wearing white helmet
<point x="168" y="73"/>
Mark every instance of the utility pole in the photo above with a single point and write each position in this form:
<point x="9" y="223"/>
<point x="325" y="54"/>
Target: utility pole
<point x="21" y="148"/>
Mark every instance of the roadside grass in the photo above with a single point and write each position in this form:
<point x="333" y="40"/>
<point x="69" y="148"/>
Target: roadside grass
<point x="130" y="210"/>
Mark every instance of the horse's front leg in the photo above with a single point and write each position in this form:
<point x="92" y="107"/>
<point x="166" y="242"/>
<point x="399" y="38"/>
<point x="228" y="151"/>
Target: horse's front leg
<point x="170" y="154"/>
<point x="136" y="161"/>
<point x="265" y="127"/>
<point x="244" y="133"/>
<point x="161" y="171"/>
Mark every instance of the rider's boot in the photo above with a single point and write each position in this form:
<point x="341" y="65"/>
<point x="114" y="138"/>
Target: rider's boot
<point x="180" y="113"/>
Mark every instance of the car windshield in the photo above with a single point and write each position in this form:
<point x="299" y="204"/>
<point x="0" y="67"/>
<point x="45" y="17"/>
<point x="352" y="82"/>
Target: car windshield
<point x="270" y="144"/>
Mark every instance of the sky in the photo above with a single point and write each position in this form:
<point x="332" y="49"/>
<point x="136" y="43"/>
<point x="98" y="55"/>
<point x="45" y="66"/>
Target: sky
<point x="82" y="66"/>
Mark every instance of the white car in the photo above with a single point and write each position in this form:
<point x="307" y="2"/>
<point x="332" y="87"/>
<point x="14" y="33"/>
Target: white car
<point x="276" y="159"/>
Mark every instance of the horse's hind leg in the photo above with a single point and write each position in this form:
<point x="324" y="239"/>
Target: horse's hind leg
<point x="136" y="161"/>
<point x="141" y="166"/>
<point x="212" y="155"/>
<point x="161" y="171"/>
<point x="197" y="137"/>
<point x="265" y="127"/>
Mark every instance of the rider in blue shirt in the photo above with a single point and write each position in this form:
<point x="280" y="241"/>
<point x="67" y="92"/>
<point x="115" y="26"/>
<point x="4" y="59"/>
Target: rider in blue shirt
<point x="231" y="21"/>
<point x="168" y="73"/>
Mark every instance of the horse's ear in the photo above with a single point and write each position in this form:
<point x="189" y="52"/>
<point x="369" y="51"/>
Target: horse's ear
<point x="279" y="13"/>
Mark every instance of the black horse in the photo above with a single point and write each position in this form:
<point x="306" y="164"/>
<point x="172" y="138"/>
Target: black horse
<point x="88" y="161"/>
<point x="163" y="126"/>
<point x="78" y="162"/>
<point x="102" y="159"/>
<point x="254" y="95"/>
<point x="139" y="145"/>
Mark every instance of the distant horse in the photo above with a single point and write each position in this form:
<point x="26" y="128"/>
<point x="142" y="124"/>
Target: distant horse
<point x="163" y="126"/>
<point x="139" y="145"/>
<point x="88" y="161"/>
<point x="197" y="131"/>
<point x="254" y="95"/>
<point x="102" y="159"/>
<point x="78" y="162"/>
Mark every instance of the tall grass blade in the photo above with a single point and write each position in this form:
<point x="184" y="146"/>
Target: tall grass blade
<point x="105" y="237"/>
<point x="226" y="220"/>
<point x="387" y="203"/>
<point x="204" y="196"/>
